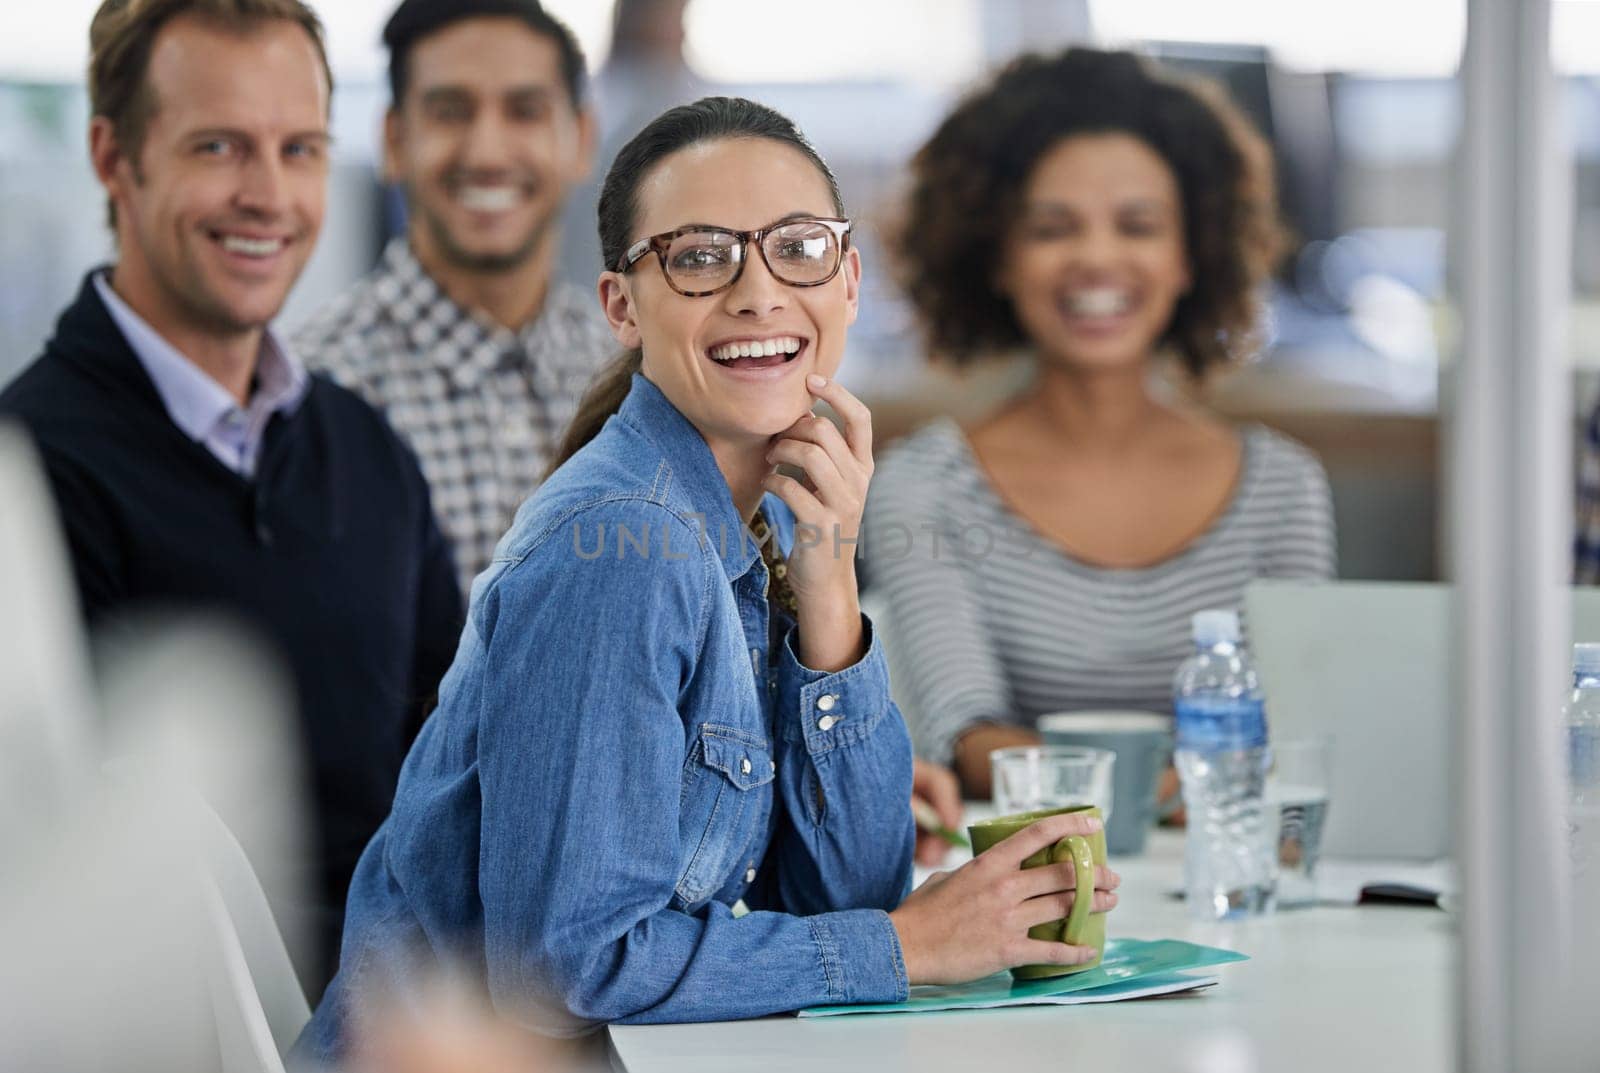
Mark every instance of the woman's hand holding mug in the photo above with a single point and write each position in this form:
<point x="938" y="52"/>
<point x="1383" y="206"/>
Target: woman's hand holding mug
<point x="974" y="921"/>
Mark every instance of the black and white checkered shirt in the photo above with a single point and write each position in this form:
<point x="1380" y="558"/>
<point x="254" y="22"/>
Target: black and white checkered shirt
<point x="483" y="407"/>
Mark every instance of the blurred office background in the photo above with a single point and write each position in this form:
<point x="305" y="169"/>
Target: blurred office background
<point x="1358" y="98"/>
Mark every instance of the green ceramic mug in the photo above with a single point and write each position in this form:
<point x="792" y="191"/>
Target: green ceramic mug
<point x="1081" y="927"/>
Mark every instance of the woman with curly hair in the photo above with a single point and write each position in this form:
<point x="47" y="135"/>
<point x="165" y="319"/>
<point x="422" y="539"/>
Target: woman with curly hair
<point x="1104" y="217"/>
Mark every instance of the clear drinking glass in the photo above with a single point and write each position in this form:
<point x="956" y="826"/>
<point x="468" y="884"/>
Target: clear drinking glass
<point x="1297" y="791"/>
<point x="1032" y="777"/>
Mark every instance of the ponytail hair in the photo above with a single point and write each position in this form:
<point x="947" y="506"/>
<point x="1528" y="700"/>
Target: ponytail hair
<point x="708" y="119"/>
<point x="604" y="398"/>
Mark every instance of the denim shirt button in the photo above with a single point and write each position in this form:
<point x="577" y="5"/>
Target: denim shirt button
<point x="744" y="765"/>
<point x="826" y="722"/>
<point x="773" y="764"/>
<point x="750" y="876"/>
<point x="826" y="702"/>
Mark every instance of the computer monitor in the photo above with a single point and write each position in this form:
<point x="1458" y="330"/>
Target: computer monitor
<point x="1292" y="109"/>
<point x="1369" y="664"/>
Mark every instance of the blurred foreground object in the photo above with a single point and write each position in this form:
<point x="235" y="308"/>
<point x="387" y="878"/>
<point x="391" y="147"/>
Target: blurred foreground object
<point x="119" y="902"/>
<point x="136" y="930"/>
<point x="46" y="705"/>
<point x="450" y="1027"/>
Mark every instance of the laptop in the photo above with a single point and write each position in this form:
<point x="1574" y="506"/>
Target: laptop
<point x="1393" y="724"/>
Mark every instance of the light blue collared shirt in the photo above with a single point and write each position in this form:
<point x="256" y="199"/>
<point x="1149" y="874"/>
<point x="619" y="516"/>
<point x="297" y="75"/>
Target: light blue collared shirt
<point x="202" y="408"/>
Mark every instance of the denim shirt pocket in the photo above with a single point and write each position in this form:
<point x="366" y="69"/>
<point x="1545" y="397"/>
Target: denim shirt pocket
<point x="722" y="807"/>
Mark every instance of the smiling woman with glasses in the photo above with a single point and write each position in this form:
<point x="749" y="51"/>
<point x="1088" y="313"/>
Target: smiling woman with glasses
<point x="665" y="780"/>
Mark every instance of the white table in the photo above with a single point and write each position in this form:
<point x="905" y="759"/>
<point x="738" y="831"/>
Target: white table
<point x="1366" y="989"/>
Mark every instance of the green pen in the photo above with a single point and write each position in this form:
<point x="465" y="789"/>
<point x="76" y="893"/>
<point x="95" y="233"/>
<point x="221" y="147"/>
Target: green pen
<point x="928" y="820"/>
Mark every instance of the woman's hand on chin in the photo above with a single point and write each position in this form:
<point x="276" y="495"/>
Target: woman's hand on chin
<point x="827" y="508"/>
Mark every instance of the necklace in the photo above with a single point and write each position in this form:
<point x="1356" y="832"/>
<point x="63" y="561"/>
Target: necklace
<point x="778" y="591"/>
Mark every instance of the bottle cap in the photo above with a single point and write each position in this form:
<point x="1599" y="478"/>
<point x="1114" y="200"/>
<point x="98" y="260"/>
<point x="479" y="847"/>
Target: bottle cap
<point x="1215" y="626"/>
<point x="1586" y="658"/>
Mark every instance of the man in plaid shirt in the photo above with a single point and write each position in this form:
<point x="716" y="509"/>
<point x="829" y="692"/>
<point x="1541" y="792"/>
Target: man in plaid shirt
<point x="461" y="335"/>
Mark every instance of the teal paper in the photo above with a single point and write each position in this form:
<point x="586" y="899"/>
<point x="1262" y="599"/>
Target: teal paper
<point x="1128" y="966"/>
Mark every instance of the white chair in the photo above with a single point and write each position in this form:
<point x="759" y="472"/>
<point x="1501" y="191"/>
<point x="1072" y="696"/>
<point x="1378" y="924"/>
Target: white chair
<point x="255" y="995"/>
<point x="197" y="720"/>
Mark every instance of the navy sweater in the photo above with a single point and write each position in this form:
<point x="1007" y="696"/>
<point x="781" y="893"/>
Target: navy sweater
<point x="331" y="554"/>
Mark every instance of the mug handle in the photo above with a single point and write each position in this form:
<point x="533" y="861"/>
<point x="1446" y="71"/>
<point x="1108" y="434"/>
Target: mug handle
<point x="1075" y="848"/>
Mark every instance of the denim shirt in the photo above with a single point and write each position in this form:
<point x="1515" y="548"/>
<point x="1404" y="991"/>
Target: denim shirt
<point x="625" y="747"/>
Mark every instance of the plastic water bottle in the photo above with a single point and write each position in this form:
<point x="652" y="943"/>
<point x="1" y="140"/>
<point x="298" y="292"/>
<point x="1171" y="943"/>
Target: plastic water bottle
<point x="1230" y="867"/>
<point x="1582" y="718"/>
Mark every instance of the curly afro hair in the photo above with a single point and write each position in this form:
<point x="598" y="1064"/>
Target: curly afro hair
<point x="968" y="181"/>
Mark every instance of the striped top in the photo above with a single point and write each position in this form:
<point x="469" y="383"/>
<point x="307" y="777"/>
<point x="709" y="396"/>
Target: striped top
<point x="986" y="620"/>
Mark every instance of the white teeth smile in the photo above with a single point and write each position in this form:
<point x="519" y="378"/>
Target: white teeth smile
<point x="1099" y="302"/>
<point x="487" y="198"/>
<point x="252" y="247"/>
<point x="755" y="348"/>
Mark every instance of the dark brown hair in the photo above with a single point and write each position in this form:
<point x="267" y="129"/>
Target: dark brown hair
<point x="123" y="34"/>
<point x="414" y="20"/>
<point x="969" y="178"/>
<point x="708" y="119"/>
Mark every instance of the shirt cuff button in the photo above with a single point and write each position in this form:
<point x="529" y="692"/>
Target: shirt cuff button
<point x="826" y="722"/>
<point x="826" y="702"/>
